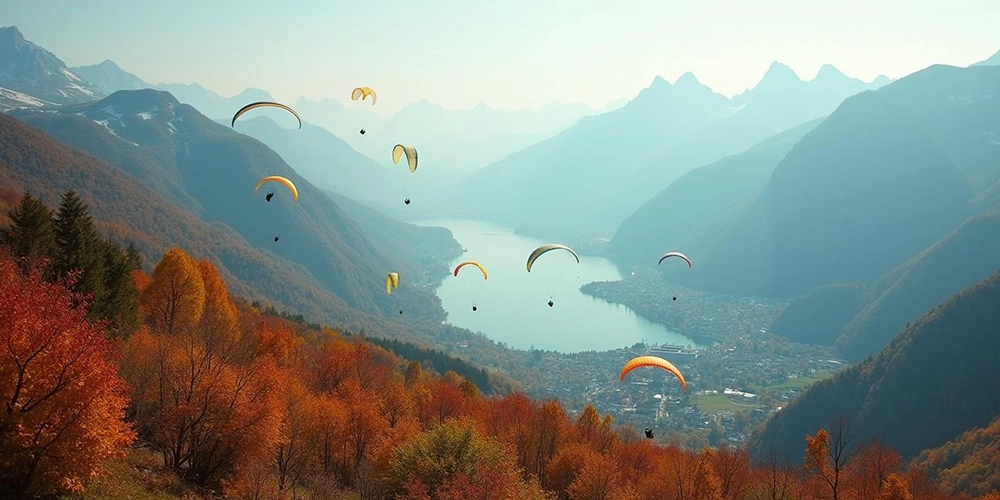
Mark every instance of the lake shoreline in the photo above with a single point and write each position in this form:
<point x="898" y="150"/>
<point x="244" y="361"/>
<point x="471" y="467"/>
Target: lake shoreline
<point x="511" y="303"/>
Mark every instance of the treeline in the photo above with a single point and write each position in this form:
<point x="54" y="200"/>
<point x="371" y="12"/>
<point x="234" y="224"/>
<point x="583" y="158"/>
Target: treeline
<point x="440" y="361"/>
<point x="61" y="242"/>
<point x="253" y="406"/>
<point x="239" y="403"/>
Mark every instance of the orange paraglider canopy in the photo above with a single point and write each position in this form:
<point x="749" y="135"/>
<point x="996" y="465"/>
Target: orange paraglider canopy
<point x="653" y="361"/>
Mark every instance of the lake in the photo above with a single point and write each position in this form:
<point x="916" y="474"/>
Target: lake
<point x="512" y="305"/>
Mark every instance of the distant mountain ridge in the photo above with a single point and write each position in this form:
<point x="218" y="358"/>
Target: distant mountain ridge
<point x="26" y="68"/>
<point x="618" y="160"/>
<point x="912" y="152"/>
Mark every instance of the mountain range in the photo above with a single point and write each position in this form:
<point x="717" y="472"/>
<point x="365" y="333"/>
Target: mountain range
<point x="33" y="76"/>
<point x="919" y="153"/>
<point x="210" y="170"/>
<point x="618" y="160"/>
<point x="455" y="140"/>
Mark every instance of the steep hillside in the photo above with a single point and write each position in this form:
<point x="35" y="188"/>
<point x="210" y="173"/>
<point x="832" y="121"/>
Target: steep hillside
<point x="969" y="463"/>
<point x="29" y="69"/>
<point x="31" y="160"/>
<point x="966" y="256"/>
<point x="329" y="162"/>
<point x="819" y="316"/>
<point x="218" y="168"/>
<point x="699" y="196"/>
<point x="930" y="384"/>
<point x="110" y="78"/>
<point x="882" y="178"/>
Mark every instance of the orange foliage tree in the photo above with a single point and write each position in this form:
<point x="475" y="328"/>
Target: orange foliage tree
<point x="64" y="404"/>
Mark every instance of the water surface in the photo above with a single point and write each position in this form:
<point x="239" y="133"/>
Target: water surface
<point x="512" y="305"/>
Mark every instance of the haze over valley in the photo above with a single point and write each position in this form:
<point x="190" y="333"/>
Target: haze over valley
<point x="500" y="251"/>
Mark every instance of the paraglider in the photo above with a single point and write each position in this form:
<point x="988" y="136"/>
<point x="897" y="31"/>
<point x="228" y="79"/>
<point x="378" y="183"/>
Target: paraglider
<point x="263" y="104"/>
<point x="411" y="155"/>
<point x="472" y="263"/>
<point x="269" y="196"/>
<point x="407" y="201"/>
<point x="675" y="297"/>
<point x="391" y="281"/>
<point x="364" y="93"/>
<point x="279" y="179"/>
<point x="477" y="265"/>
<point x="538" y="252"/>
<point x="362" y="131"/>
<point x="653" y="362"/>
<point x="547" y="248"/>
<point x="275" y="238"/>
<point x="649" y="433"/>
<point x="674" y="254"/>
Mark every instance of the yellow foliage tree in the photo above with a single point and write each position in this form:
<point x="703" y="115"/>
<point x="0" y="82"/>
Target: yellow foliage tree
<point x="175" y="299"/>
<point x="895" y="489"/>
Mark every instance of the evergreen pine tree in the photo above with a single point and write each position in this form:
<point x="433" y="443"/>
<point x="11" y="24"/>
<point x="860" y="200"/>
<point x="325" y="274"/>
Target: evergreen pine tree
<point x="119" y="303"/>
<point x="32" y="235"/>
<point x="78" y="247"/>
<point x="134" y="257"/>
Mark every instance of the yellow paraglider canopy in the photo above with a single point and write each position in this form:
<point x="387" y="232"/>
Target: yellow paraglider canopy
<point x="391" y="281"/>
<point x="653" y="361"/>
<point x="364" y="93"/>
<point x="472" y="263"/>
<point x="262" y="104"/>
<point x="547" y="248"/>
<point x="282" y="180"/>
<point x="411" y="155"/>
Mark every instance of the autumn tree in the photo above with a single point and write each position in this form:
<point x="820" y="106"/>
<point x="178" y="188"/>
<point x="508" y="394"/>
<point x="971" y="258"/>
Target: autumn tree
<point x="732" y="466"/>
<point x="895" y="489"/>
<point x="872" y="465"/>
<point x="773" y="481"/>
<point x="176" y="297"/>
<point x="64" y="403"/>
<point x="706" y="484"/>
<point x="827" y="456"/>
<point x="993" y="495"/>
<point x="31" y="234"/>
<point x="445" y="452"/>
<point x="599" y="479"/>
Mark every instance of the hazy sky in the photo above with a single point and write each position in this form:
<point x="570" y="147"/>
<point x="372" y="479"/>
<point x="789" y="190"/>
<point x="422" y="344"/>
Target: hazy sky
<point x="507" y="53"/>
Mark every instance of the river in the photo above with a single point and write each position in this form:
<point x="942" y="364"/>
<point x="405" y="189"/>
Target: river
<point x="512" y="305"/>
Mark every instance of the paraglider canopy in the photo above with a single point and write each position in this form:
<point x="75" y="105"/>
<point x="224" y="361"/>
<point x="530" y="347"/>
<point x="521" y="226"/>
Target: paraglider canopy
<point x="655" y="362"/>
<point x="411" y="155"/>
<point x="277" y="178"/>
<point x="674" y="254"/>
<point x="472" y="263"/>
<point x="392" y="281"/>
<point x="364" y="93"/>
<point x="263" y="104"/>
<point x="548" y="248"/>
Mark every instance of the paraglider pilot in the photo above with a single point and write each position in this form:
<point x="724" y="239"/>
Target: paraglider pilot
<point x="649" y="433"/>
<point x="268" y="197"/>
